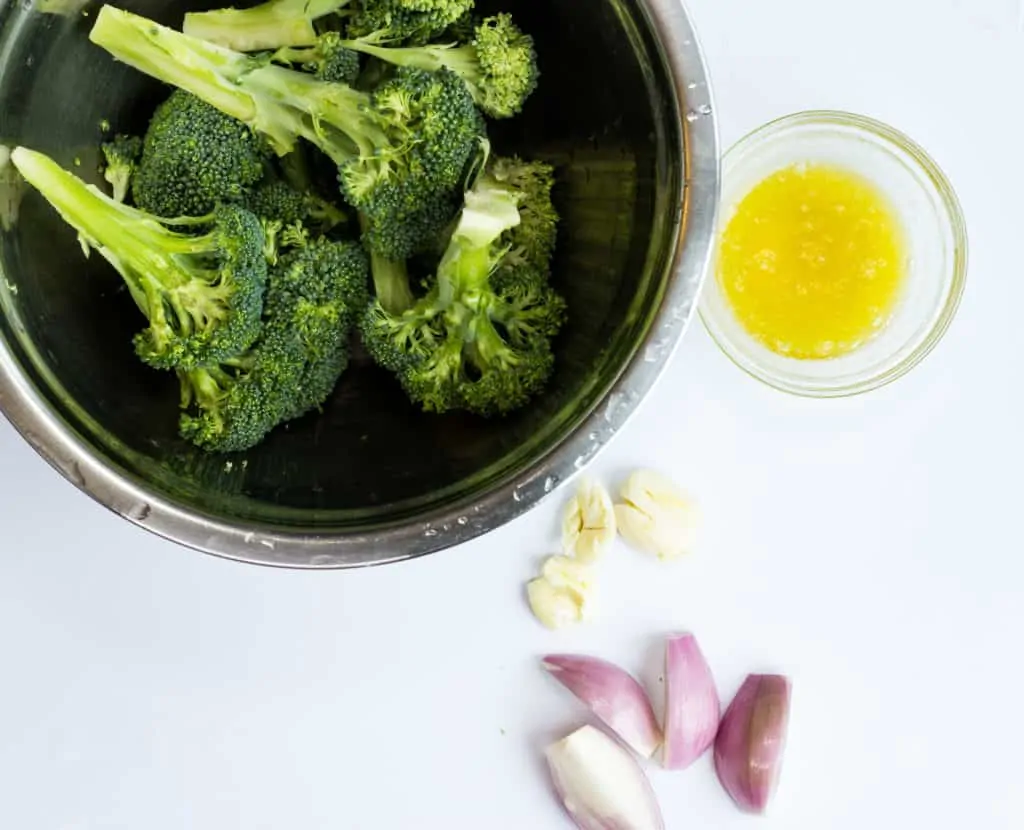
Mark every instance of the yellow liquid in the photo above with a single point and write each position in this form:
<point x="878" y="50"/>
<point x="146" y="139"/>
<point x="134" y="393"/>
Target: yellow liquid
<point x="813" y="261"/>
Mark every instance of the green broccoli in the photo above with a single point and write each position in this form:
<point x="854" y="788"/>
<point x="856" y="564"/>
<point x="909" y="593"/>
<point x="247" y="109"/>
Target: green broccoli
<point x="276" y="200"/>
<point x="480" y="340"/>
<point x="329" y="60"/>
<point x="202" y="295"/>
<point x="193" y="157"/>
<point x="396" y="149"/>
<point x="269" y="25"/>
<point x="415" y="21"/>
<point x="283" y="23"/>
<point x="499" y="64"/>
<point x="121" y="157"/>
<point x="313" y="297"/>
<point x="532" y="241"/>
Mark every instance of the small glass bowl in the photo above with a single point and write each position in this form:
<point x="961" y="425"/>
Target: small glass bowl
<point x="934" y="229"/>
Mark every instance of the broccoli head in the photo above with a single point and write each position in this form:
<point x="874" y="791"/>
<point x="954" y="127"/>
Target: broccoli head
<point x="283" y="23"/>
<point x="480" y="339"/>
<point x="202" y="295"/>
<point x="532" y="241"/>
<point x="416" y="21"/>
<point x="277" y="201"/>
<point x="499" y="64"/>
<point x="329" y="60"/>
<point x="120" y="157"/>
<point x="313" y="297"/>
<point x="396" y="148"/>
<point x="193" y="157"/>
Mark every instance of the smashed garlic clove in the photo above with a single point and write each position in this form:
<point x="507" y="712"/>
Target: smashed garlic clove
<point x="564" y="593"/>
<point x="555" y="607"/>
<point x="655" y="516"/>
<point x="588" y="528"/>
<point x="571" y="574"/>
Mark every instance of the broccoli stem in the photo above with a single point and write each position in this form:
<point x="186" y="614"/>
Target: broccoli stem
<point x="266" y="26"/>
<point x="209" y="72"/>
<point x="281" y="104"/>
<point x="132" y="241"/>
<point x="462" y="60"/>
<point x="391" y="283"/>
<point x="490" y="210"/>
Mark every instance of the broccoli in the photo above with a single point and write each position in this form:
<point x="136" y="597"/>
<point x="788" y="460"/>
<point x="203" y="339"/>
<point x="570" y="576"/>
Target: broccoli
<point x="275" y="200"/>
<point x="480" y="339"/>
<point x="121" y="157"/>
<point x="202" y="295"/>
<point x="284" y="23"/>
<point x="269" y="25"/>
<point x="313" y="297"/>
<point x="532" y="241"/>
<point x="499" y="64"/>
<point x="329" y="60"/>
<point x="193" y="157"/>
<point x="396" y="148"/>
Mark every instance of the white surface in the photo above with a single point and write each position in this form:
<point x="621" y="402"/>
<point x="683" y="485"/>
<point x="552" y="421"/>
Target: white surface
<point x="869" y="547"/>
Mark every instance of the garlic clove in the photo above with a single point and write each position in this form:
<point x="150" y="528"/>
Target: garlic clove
<point x="613" y="695"/>
<point x="692" y="707"/>
<point x="751" y="741"/>
<point x="656" y="517"/>
<point x="555" y="607"/>
<point x="588" y="525"/>
<point x="600" y="783"/>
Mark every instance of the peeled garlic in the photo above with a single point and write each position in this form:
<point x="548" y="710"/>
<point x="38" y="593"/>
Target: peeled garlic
<point x="656" y="517"/>
<point x="563" y="594"/>
<point x="588" y="528"/>
<point x="554" y="607"/>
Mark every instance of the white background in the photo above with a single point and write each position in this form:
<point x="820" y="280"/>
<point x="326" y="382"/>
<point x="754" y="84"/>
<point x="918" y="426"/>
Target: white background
<point x="871" y="548"/>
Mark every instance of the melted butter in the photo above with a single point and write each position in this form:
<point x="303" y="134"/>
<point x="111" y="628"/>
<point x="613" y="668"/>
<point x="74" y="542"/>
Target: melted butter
<point x="813" y="261"/>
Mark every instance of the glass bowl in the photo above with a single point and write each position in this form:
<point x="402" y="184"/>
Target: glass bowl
<point x="934" y="230"/>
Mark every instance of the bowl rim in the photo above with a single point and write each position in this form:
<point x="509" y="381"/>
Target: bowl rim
<point x="688" y="259"/>
<point x="952" y="213"/>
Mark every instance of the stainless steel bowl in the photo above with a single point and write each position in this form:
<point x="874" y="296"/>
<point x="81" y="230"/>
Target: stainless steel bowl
<point x="624" y="109"/>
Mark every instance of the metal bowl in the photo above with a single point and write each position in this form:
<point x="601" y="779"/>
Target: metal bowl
<point x="623" y="109"/>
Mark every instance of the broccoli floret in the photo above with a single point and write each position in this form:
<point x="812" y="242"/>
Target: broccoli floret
<point x="396" y="149"/>
<point x="193" y="157"/>
<point x="314" y="295"/>
<point x="202" y="295"/>
<point x="269" y="25"/>
<point x="281" y="23"/>
<point x="532" y="241"/>
<point x="480" y="340"/>
<point x="416" y="21"/>
<point x="499" y="64"/>
<point x="329" y="60"/>
<point x="275" y="200"/>
<point x="120" y="159"/>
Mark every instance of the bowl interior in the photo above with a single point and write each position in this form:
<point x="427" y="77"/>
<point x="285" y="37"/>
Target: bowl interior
<point x="604" y="113"/>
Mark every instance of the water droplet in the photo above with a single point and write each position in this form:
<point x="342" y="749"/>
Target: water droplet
<point x="267" y="543"/>
<point x="462" y="520"/>
<point x="74" y="474"/>
<point x="139" y="512"/>
<point x="550" y="483"/>
<point x="517" y="495"/>
<point x="430" y="532"/>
